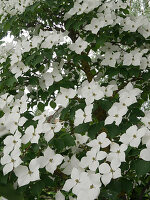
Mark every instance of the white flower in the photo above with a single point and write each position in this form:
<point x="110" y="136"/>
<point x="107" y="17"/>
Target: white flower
<point x="95" y="25"/>
<point x="92" y="158"/>
<point x="79" y="45"/>
<point x="18" y="69"/>
<point x="115" y="113"/>
<point x="41" y="118"/>
<point x="77" y="177"/>
<point x="80" y="139"/>
<point x="90" y="188"/>
<point x="50" y="129"/>
<point x="5" y="100"/>
<point x="146" y="139"/>
<point x="26" y="175"/>
<point x="117" y="152"/>
<point x="128" y="94"/>
<point x="91" y="91"/>
<point x="133" y="136"/>
<point x="59" y="196"/>
<point x="145" y="154"/>
<point x="83" y="116"/>
<point x="109" y="171"/>
<point x="108" y="91"/>
<point x="64" y="96"/>
<point x="69" y="164"/>
<point x="146" y="119"/>
<point x="11" y="161"/>
<point x="133" y="58"/>
<point x="32" y="134"/>
<point x="11" y="142"/>
<point x="48" y="78"/>
<point x="145" y="29"/>
<point x="15" y="58"/>
<point x="51" y="160"/>
<point x="14" y="120"/>
<point x="100" y="142"/>
<point x="110" y="59"/>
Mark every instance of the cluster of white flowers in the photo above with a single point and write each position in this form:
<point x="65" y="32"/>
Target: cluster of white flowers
<point x="103" y="156"/>
<point x="82" y="6"/>
<point x="127" y="97"/>
<point x="14" y="7"/>
<point x="15" y="50"/>
<point x="48" y="78"/>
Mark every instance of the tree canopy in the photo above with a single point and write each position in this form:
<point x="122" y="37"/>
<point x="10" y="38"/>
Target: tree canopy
<point x="74" y="100"/>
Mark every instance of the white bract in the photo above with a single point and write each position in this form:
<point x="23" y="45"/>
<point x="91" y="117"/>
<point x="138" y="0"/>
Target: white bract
<point x="92" y="158"/>
<point x="11" y="161"/>
<point x="51" y="160"/>
<point x="133" y="136"/>
<point x="27" y="174"/>
<point x="115" y="114"/>
<point x="109" y="172"/>
<point x="79" y="46"/>
<point x="83" y="116"/>
<point x="117" y="152"/>
<point x="32" y="134"/>
<point x="64" y="96"/>
<point x="100" y="142"/>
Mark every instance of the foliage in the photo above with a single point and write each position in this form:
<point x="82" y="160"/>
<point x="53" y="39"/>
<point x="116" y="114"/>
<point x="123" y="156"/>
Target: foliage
<point x="74" y="100"/>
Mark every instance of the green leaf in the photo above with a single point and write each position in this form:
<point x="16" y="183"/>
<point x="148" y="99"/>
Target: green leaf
<point x="10" y="81"/>
<point x="113" y="130"/>
<point x="141" y="167"/>
<point x="41" y="106"/>
<point x="38" y="59"/>
<point x="82" y="128"/>
<point x="94" y="129"/>
<point x="121" y="185"/>
<point x="59" y="144"/>
<point x="1" y="113"/>
<point x="36" y="189"/>
<point x="68" y="140"/>
<point x="33" y="80"/>
<point x="8" y="192"/>
<point x="53" y="104"/>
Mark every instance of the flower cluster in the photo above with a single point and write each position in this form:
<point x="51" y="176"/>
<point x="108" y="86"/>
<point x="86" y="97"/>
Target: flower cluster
<point x="72" y="98"/>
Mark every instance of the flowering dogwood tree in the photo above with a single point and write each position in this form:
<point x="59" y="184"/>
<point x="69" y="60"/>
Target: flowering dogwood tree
<point x="74" y="90"/>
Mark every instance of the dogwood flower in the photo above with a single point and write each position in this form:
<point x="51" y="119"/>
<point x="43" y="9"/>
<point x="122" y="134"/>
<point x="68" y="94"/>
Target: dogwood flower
<point x="59" y="196"/>
<point x="145" y="154"/>
<point x="91" y="91"/>
<point x="32" y="134"/>
<point x="133" y="136"/>
<point x="100" y="142"/>
<point x="64" y="96"/>
<point x="69" y="164"/>
<point x="109" y="172"/>
<point x="146" y="139"/>
<point x="5" y="99"/>
<point x="51" y="160"/>
<point x="117" y="152"/>
<point x="146" y="119"/>
<point x="50" y="129"/>
<point x="115" y="113"/>
<point x="90" y="188"/>
<point x="110" y="59"/>
<point x="83" y="116"/>
<point x="12" y="142"/>
<point x="92" y="158"/>
<point x="79" y="45"/>
<point x="26" y="175"/>
<point x="11" y="161"/>
<point x="77" y="177"/>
